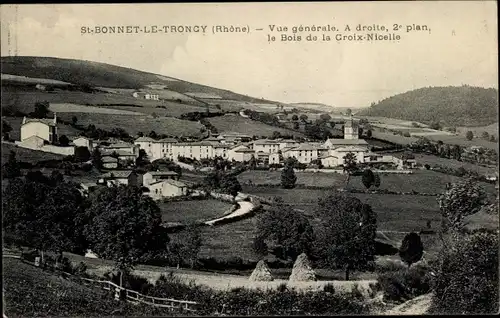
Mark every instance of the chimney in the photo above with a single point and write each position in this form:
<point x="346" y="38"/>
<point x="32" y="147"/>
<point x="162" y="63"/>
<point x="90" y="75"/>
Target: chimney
<point x="24" y="120"/>
<point x="55" y="118"/>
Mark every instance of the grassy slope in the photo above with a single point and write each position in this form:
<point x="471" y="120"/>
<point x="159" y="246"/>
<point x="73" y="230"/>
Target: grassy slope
<point x="27" y="155"/>
<point x="457" y="106"/>
<point x="247" y="126"/>
<point x="101" y="74"/>
<point x="133" y="124"/>
<point x="190" y="211"/>
<point x="31" y="292"/>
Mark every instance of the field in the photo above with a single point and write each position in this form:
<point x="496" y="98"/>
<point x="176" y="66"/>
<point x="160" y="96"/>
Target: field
<point x="24" y="101"/>
<point x="75" y="108"/>
<point x="235" y="123"/>
<point x="394" y="212"/>
<point x="27" y="155"/>
<point x="477" y="131"/>
<point x="134" y="124"/>
<point x="420" y="181"/>
<point x="455" y="164"/>
<point x="192" y="211"/>
<point x="15" y="123"/>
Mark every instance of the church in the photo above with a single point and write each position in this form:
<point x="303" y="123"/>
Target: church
<point x="351" y="143"/>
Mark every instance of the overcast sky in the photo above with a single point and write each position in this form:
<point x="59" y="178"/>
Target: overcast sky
<point x="460" y="49"/>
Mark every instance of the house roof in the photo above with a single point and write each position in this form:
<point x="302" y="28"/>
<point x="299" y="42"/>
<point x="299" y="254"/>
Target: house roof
<point x="244" y="149"/>
<point x="176" y="183"/>
<point x="170" y="140"/>
<point x="119" y="174"/>
<point x="196" y="144"/>
<point x="162" y="173"/>
<point x="335" y="141"/>
<point x="45" y="121"/>
<point x="121" y="153"/>
<point x="109" y="159"/>
<point x="306" y="147"/>
<point x="34" y="137"/>
<point x="351" y="149"/>
<point x="119" y="145"/>
<point x="218" y="145"/>
<point x="211" y="139"/>
<point x="328" y="156"/>
<point x="144" y="139"/>
<point x="265" y="142"/>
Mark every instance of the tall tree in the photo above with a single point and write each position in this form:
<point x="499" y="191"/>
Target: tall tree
<point x="41" y="110"/>
<point x="369" y="133"/>
<point x="74" y="120"/>
<point x="469" y="135"/>
<point x="189" y="244"/>
<point x="288" y="177"/>
<point x="41" y="213"/>
<point x="6" y="129"/>
<point x="125" y="226"/>
<point x="287" y="231"/>
<point x="411" y="249"/>
<point x="12" y="168"/>
<point x="350" y="166"/>
<point x="461" y="199"/>
<point x="97" y="158"/>
<point x="467" y="281"/>
<point x="376" y="181"/>
<point x="346" y="237"/>
<point x="368" y="178"/>
<point x="63" y="140"/>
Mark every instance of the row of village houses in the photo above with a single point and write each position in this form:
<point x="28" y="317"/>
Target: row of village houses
<point x="331" y="153"/>
<point x="41" y="133"/>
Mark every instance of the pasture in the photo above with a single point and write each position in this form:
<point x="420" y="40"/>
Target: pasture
<point x="394" y="212"/>
<point x="75" y="108"/>
<point x="193" y="211"/>
<point x="425" y="181"/>
<point x="247" y="126"/>
<point x="455" y="164"/>
<point x="24" y="101"/>
<point x="134" y="124"/>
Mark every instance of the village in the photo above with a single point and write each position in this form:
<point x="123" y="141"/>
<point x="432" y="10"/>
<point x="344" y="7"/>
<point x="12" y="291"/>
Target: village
<point x="118" y="155"/>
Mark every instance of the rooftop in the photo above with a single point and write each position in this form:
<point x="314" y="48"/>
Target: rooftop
<point x="144" y="139"/>
<point x="176" y="183"/>
<point x="117" y="174"/>
<point x="119" y="145"/>
<point x="162" y="173"/>
<point x="265" y="142"/>
<point x="46" y="121"/>
<point x="171" y="140"/>
<point x="351" y="149"/>
<point x="109" y="159"/>
<point x="335" y="141"/>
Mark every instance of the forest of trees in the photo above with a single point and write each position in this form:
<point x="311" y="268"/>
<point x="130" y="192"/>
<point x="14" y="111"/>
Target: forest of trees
<point x="454" y="106"/>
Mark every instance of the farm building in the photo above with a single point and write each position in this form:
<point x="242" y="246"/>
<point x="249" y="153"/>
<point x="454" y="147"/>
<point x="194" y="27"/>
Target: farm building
<point x="84" y="142"/>
<point x="155" y="176"/>
<point x="156" y="149"/>
<point x="109" y="162"/>
<point x="166" y="188"/>
<point x="240" y="153"/>
<point x="146" y="95"/>
<point x="127" y="177"/>
<point x="233" y="137"/>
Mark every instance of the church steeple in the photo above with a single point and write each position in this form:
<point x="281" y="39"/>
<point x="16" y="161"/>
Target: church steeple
<point x="350" y="128"/>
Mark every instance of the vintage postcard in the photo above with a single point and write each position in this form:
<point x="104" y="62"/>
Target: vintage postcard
<point x="214" y="159"/>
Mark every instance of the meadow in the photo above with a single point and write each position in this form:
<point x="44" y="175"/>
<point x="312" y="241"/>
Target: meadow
<point x="425" y="181"/>
<point x="236" y="123"/>
<point x="134" y="124"/>
<point x="193" y="211"/>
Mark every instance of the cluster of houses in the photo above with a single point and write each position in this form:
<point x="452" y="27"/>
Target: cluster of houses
<point x="241" y="148"/>
<point x="42" y="133"/>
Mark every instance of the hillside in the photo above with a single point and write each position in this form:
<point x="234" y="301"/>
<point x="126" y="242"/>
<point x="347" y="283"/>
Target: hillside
<point x="452" y="106"/>
<point x="31" y="292"/>
<point x="80" y="72"/>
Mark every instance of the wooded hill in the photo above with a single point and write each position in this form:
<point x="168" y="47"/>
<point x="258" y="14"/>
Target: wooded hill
<point x="451" y="105"/>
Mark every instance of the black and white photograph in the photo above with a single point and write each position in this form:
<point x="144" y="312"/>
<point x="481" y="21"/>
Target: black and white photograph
<point x="250" y="159"/>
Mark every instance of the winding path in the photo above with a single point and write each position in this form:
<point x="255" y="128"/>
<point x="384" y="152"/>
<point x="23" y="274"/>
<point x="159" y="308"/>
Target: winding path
<point x="245" y="207"/>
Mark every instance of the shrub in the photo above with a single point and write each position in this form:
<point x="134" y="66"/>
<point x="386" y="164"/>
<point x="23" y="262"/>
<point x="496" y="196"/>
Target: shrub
<point x="329" y="288"/>
<point x="405" y="284"/>
<point x="467" y="282"/>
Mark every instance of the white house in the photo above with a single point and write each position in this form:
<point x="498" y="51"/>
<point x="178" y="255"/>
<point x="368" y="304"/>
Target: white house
<point x="194" y="150"/>
<point x="145" y="143"/>
<point x="240" y="153"/>
<point x="266" y="145"/>
<point x="120" y="177"/>
<point x="43" y="128"/>
<point x="109" y="162"/>
<point x="84" y="142"/>
<point x="305" y="153"/>
<point x="359" y="153"/>
<point x="155" y="176"/>
<point x="166" y="188"/>
<point x="330" y="161"/>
